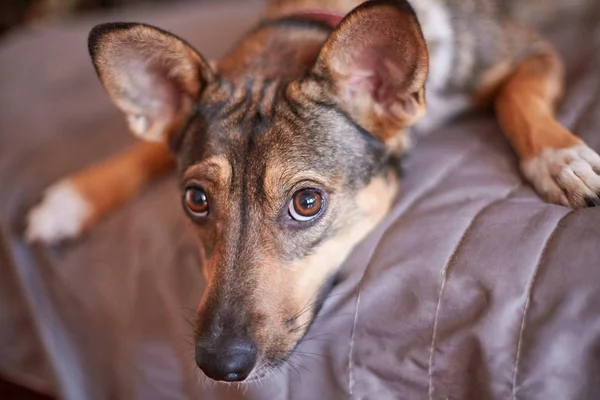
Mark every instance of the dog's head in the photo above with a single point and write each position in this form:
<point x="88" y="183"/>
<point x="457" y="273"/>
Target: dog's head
<point x="287" y="152"/>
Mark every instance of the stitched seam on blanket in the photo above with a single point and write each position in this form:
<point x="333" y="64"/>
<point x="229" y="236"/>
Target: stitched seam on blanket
<point x="445" y="272"/>
<point x="351" y="350"/>
<point x="50" y="328"/>
<point x="584" y="113"/>
<point x="528" y="301"/>
<point x="446" y="172"/>
<point x="180" y="348"/>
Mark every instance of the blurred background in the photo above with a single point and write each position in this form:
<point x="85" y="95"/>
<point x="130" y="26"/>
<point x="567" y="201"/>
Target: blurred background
<point x="108" y="316"/>
<point x="14" y="13"/>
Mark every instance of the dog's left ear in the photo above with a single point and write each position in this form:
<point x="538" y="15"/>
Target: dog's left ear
<point x="374" y="66"/>
<point x="152" y="76"/>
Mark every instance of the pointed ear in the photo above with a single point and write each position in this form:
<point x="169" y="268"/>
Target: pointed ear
<point x="152" y="76"/>
<point x="374" y="66"/>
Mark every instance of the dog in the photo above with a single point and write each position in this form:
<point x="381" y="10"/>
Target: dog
<point x="288" y="148"/>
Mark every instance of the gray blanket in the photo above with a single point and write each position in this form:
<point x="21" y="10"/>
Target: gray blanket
<point x="472" y="288"/>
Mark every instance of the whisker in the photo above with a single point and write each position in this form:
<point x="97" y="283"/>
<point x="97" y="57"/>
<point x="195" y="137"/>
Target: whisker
<point x="308" y="353"/>
<point x="189" y="309"/>
<point x="189" y="321"/>
<point x="304" y="367"/>
<point x="292" y="368"/>
<point x="188" y="341"/>
<point x="321" y="337"/>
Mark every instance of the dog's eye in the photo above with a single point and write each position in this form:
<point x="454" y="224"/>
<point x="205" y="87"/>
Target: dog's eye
<point x="305" y="204"/>
<point x="196" y="201"/>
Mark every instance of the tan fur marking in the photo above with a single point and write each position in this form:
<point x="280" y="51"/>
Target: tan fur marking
<point x="278" y="172"/>
<point x="525" y="107"/>
<point x="216" y="169"/>
<point x="372" y="204"/>
<point x="375" y="200"/>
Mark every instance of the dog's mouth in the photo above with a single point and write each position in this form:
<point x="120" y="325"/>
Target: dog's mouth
<point x="264" y="371"/>
<point x="274" y="360"/>
<point x="272" y="367"/>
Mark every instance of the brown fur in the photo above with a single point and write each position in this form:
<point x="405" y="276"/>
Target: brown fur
<point x="296" y="105"/>
<point x="345" y="52"/>
<point x="525" y="107"/>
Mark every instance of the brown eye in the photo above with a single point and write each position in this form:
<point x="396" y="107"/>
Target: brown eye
<point x="305" y="204"/>
<point x="196" y="201"/>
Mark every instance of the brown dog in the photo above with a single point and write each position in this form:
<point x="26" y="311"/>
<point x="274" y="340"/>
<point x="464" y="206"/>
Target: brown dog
<point x="288" y="148"/>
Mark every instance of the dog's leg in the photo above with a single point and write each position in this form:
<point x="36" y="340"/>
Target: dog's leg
<point x="491" y="58"/>
<point x="75" y="203"/>
<point x="561" y="167"/>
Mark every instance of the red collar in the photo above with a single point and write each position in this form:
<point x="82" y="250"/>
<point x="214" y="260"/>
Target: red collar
<point x="330" y="18"/>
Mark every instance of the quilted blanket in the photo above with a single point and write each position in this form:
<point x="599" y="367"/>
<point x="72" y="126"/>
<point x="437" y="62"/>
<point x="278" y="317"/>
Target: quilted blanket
<point x="472" y="288"/>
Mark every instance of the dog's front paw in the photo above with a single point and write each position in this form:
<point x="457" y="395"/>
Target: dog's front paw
<point x="62" y="214"/>
<point x="569" y="176"/>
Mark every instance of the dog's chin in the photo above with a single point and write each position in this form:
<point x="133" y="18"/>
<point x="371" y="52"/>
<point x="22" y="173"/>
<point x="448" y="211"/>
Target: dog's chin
<point x="271" y="367"/>
<point x="264" y="371"/>
<point x="276" y="358"/>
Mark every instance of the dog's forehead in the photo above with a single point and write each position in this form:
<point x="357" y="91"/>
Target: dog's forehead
<point x="265" y="151"/>
<point x="261" y="128"/>
<point x="253" y="135"/>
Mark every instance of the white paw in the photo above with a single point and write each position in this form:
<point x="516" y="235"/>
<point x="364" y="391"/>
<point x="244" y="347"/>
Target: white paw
<point x="570" y="176"/>
<point x="61" y="214"/>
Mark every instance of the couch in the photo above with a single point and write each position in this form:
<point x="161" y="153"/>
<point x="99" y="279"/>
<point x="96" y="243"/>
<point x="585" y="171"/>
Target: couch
<point x="472" y="287"/>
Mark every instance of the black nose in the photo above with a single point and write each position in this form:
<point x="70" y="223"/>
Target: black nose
<point x="231" y="361"/>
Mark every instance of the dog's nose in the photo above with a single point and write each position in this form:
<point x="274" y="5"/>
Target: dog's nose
<point x="230" y="362"/>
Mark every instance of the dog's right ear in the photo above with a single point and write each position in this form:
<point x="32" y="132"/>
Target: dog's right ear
<point x="374" y="66"/>
<point x="152" y="76"/>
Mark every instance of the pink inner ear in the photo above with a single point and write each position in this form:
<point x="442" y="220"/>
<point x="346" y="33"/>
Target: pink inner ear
<point x="376" y="62"/>
<point x="148" y="84"/>
<point x="373" y="72"/>
<point x="359" y="81"/>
